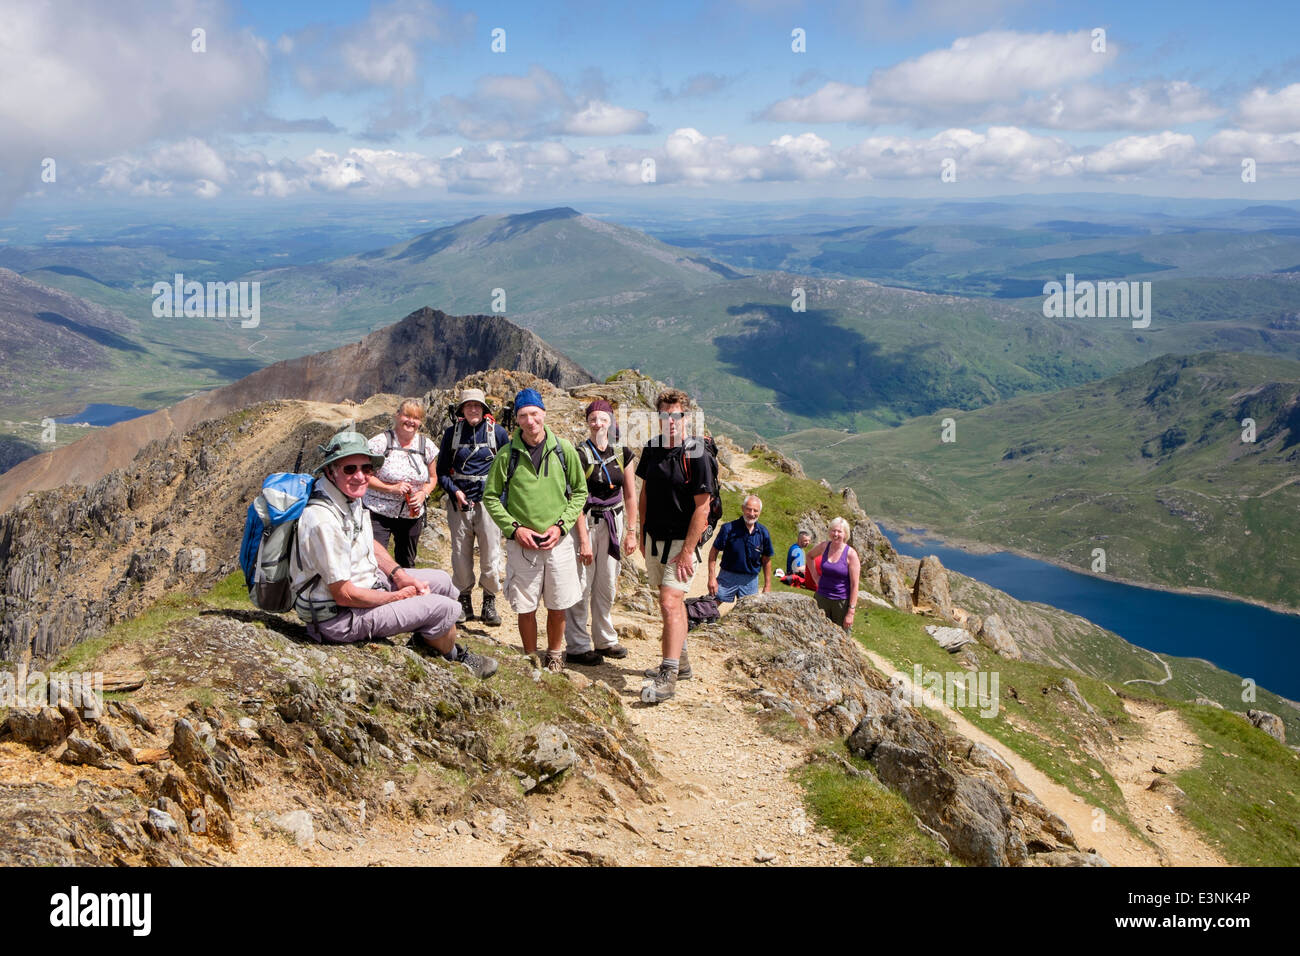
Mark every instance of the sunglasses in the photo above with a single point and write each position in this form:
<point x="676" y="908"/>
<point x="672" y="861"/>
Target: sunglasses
<point x="366" y="469"/>
<point x="675" y="416"/>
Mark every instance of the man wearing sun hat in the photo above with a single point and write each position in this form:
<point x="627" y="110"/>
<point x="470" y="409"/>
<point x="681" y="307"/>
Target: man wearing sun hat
<point x="468" y="446"/>
<point x="347" y="587"/>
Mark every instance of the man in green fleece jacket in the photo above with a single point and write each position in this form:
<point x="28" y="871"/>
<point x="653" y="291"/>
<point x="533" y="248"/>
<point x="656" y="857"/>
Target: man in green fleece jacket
<point x="535" y="492"/>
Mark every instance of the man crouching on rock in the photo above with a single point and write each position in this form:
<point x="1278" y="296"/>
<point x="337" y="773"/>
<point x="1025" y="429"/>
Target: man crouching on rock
<point x="347" y="587"/>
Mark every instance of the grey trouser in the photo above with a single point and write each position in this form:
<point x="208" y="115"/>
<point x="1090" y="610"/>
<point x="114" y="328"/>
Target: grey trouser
<point x="599" y="581"/>
<point x="466" y="527"/>
<point x="428" y="615"/>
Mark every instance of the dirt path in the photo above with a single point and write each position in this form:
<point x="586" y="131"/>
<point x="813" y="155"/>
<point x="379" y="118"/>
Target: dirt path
<point x="1168" y="743"/>
<point x="729" y="798"/>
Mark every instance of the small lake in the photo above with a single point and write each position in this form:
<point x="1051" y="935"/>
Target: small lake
<point x="1242" y="638"/>
<point x="96" y="414"/>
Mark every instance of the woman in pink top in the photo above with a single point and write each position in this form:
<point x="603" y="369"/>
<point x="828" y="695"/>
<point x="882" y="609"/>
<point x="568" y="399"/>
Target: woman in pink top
<point x="836" y="575"/>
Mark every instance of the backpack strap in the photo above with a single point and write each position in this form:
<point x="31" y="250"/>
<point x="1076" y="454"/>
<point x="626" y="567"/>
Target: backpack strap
<point x="510" y="473"/>
<point x="514" y="463"/>
<point x="597" y="459"/>
<point x="319" y="497"/>
<point x="459" y="442"/>
<point x="390" y="438"/>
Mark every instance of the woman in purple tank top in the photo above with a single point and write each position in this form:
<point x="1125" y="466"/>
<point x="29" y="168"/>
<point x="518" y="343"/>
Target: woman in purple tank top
<point x="836" y="575"/>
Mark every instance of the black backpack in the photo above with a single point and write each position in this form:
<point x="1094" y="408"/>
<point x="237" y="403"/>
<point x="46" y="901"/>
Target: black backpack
<point x="715" y="493"/>
<point x="701" y="610"/>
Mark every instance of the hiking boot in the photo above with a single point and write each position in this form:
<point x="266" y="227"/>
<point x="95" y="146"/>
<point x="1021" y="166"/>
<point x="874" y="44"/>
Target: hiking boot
<point x="684" y="671"/>
<point x="466" y="607"/>
<point x="661" y="687"/>
<point x="489" y="615"/>
<point x="585" y="658"/>
<point x="555" y="661"/>
<point x="480" y="665"/>
<point x="614" y="651"/>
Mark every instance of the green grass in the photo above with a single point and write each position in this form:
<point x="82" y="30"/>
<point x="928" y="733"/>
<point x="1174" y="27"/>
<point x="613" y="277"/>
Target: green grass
<point x="1045" y="736"/>
<point x="227" y="594"/>
<point x="867" y="816"/>
<point x="1243" y="795"/>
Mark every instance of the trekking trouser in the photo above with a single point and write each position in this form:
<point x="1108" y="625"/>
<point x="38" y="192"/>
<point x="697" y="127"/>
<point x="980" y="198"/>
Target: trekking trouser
<point x="599" y="584"/>
<point x="426" y="615"/>
<point x="835" y="610"/>
<point x="467" y="527"/>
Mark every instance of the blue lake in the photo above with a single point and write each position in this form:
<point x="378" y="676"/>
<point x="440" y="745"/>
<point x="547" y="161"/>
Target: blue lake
<point x="96" y="414"/>
<point x="1242" y="638"/>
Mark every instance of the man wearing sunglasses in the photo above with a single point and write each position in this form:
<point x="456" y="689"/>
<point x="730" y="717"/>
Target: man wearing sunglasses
<point x="677" y="480"/>
<point x="347" y="586"/>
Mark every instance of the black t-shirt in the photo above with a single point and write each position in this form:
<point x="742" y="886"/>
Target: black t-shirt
<point x="604" y="469"/>
<point x="671" y="483"/>
<point x="535" y="452"/>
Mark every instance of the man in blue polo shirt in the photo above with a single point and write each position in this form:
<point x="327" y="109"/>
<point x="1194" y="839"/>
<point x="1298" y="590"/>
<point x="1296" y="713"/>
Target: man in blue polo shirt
<point x="744" y="547"/>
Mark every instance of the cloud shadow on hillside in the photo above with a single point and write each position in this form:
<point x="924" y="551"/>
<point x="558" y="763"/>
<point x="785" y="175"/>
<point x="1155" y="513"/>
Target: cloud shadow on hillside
<point x="96" y="334"/>
<point x="819" y="367"/>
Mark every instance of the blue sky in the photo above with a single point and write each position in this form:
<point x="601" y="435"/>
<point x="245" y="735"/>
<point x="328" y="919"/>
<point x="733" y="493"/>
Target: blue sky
<point x="406" y="97"/>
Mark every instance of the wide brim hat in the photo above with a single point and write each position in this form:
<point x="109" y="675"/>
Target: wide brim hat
<point x="473" y="395"/>
<point x="344" y="445"/>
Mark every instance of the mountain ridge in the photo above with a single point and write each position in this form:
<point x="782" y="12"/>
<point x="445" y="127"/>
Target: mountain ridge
<point x="438" y="349"/>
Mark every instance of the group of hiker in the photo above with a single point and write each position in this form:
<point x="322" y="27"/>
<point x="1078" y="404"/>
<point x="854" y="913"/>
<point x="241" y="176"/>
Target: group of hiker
<point x="568" y="514"/>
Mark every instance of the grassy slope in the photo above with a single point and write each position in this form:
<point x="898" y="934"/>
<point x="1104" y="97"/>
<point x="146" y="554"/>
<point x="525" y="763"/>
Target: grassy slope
<point x="1148" y="464"/>
<point x="1257" y="786"/>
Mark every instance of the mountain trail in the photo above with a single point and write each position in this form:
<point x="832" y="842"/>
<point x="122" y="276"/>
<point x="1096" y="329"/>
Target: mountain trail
<point x="1168" y="743"/>
<point x="1163" y="739"/>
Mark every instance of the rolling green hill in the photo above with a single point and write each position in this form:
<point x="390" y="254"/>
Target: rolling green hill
<point x="860" y="356"/>
<point x="1149" y="464"/>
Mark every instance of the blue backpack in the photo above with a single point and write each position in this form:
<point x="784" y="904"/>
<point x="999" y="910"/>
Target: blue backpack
<point x="270" y="531"/>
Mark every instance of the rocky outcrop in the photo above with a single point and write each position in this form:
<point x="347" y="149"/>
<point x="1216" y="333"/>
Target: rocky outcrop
<point x="1271" y="724"/>
<point x="931" y="588"/>
<point x="994" y="634"/>
<point x="328" y="729"/>
<point x="1048" y="635"/>
<point x="960" y="790"/>
<point x="75" y="561"/>
<point x="779" y="461"/>
<point x="894" y="587"/>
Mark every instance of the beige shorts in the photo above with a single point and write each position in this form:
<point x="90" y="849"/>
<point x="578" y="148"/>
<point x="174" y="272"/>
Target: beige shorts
<point x="663" y="575"/>
<point x="536" y="576"/>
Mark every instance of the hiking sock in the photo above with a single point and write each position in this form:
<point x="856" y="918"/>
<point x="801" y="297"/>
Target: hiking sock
<point x="671" y="662"/>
